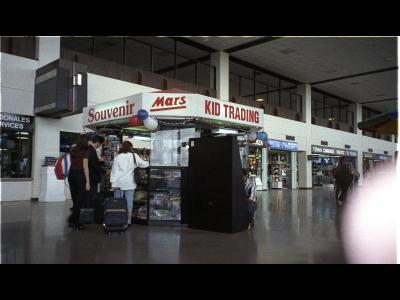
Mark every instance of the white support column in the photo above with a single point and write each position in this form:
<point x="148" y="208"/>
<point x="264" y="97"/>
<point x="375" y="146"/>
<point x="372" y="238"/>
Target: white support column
<point x="305" y="92"/>
<point x="264" y="175"/>
<point x="305" y="166"/>
<point x="220" y="60"/>
<point x="48" y="49"/>
<point x="357" y="117"/>
<point x="360" y="162"/>
<point x="293" y="170"/>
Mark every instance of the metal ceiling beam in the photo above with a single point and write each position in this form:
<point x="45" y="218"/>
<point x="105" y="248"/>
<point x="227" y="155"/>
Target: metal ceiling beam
<point x="355" y="75"/>
<point x="250" y="44"/>
<point x="376" y="101"/>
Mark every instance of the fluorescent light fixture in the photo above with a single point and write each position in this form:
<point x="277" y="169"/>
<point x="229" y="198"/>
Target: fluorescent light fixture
<point x="78" y="79"/>
<point x="260" y="100"/>
<point x="142" y="138"/>
<point x="24" y="133"/>
<point x="287" y="51"/>
<point x="331" y="119"/>
<point x="389" y="58"/>
<point x="224" y="131"/>
<point x="22" y="138"/>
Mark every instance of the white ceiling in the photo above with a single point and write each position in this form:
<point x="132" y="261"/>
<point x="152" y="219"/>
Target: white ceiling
<point x="312" y="59"/>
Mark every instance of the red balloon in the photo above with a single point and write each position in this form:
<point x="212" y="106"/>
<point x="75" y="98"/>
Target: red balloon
<point x="135" y="121"/>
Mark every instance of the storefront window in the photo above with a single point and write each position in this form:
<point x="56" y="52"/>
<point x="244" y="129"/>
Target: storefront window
<point x="138" y="55"/>
<point x="110" y="48"/>
<point x="24" y="46"/>
<point x="78" y="44"/>
<point x="15" y="154"/>
<point x="67" y="140"/>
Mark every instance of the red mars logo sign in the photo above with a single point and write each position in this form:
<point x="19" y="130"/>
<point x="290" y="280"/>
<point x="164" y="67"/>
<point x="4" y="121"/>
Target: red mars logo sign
<point x="168" y="103"/>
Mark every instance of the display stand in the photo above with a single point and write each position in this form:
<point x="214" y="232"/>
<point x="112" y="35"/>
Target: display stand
<point x="51" y="189"/>
<point x="259" y="184"/>
<point x="276" y="184"/>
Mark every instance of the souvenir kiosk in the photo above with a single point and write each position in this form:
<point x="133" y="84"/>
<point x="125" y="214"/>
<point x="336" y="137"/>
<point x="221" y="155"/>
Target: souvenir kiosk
<point x="160" y="124"/>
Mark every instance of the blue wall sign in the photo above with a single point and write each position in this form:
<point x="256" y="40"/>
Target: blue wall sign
<point x="282" y="145"/>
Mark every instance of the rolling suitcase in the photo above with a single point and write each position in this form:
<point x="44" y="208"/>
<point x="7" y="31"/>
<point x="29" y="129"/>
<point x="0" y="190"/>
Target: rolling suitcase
<point x="115" y="215"/>
<point x="86" y="214"/>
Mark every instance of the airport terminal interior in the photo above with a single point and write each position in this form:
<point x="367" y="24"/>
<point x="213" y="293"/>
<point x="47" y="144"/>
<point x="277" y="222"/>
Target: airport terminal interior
<point x="199" y="150"/>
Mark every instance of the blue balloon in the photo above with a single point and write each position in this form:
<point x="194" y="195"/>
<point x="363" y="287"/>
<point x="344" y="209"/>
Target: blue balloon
<point x="262" y="136"/>
<point x="143" y="114"/>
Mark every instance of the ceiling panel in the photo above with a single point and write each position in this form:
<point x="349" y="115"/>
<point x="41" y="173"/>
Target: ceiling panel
<point x="366" y="88"/>
<point x="383" y="106"/>
<point x="310" y="59"/>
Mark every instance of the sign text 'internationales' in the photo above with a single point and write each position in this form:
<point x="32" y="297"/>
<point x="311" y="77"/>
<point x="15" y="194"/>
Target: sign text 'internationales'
<point x="231" y="112"/>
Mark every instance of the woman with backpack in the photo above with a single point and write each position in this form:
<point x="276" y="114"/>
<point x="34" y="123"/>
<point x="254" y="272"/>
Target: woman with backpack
<point x="122" y="175"/>
<point x="78" y="179"/>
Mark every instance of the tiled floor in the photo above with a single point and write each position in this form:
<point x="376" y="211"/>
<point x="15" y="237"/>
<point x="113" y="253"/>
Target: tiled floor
<point x="291" y="227"/>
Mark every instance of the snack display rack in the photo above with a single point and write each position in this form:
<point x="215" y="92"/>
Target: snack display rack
<point x="279" y="165"/>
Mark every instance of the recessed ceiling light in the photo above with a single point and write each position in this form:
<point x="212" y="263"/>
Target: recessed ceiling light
<point x="330" y="71"/>
<point x="287" y="51"/>
<point x="260" y="100"/>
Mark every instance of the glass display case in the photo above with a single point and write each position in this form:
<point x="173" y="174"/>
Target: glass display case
<point x="141" y="199"/>
<point x="164" y="194"/>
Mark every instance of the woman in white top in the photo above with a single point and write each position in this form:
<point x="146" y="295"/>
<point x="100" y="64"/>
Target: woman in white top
<point x="122" y="178"/>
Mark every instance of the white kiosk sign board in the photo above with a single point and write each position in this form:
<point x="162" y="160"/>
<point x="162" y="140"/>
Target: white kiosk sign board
<point x="174" y="105"/>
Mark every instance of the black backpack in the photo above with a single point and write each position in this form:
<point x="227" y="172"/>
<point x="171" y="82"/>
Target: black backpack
<point x="137" y="176"/>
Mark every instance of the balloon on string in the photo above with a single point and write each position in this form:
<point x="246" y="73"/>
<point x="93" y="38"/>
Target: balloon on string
<point x="262" y="136"/>
<point x="252" y="137"/>
<point x="151" y="123"/>
<point x="135" y="121"/>
<point x="143" y="114"/>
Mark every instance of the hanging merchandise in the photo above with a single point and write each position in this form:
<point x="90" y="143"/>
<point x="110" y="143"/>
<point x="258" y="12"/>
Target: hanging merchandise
<point x="151" y="123"/>
<point x="143" y="114"/>
<point x="135" y="121"/>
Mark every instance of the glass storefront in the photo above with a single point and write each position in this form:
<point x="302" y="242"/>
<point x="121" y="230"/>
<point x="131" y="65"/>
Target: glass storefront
<point x="15" y="145"/>
<point x="372" y="163"/>
<point x="325" y="159"/>
<point x="280" y="164"/>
